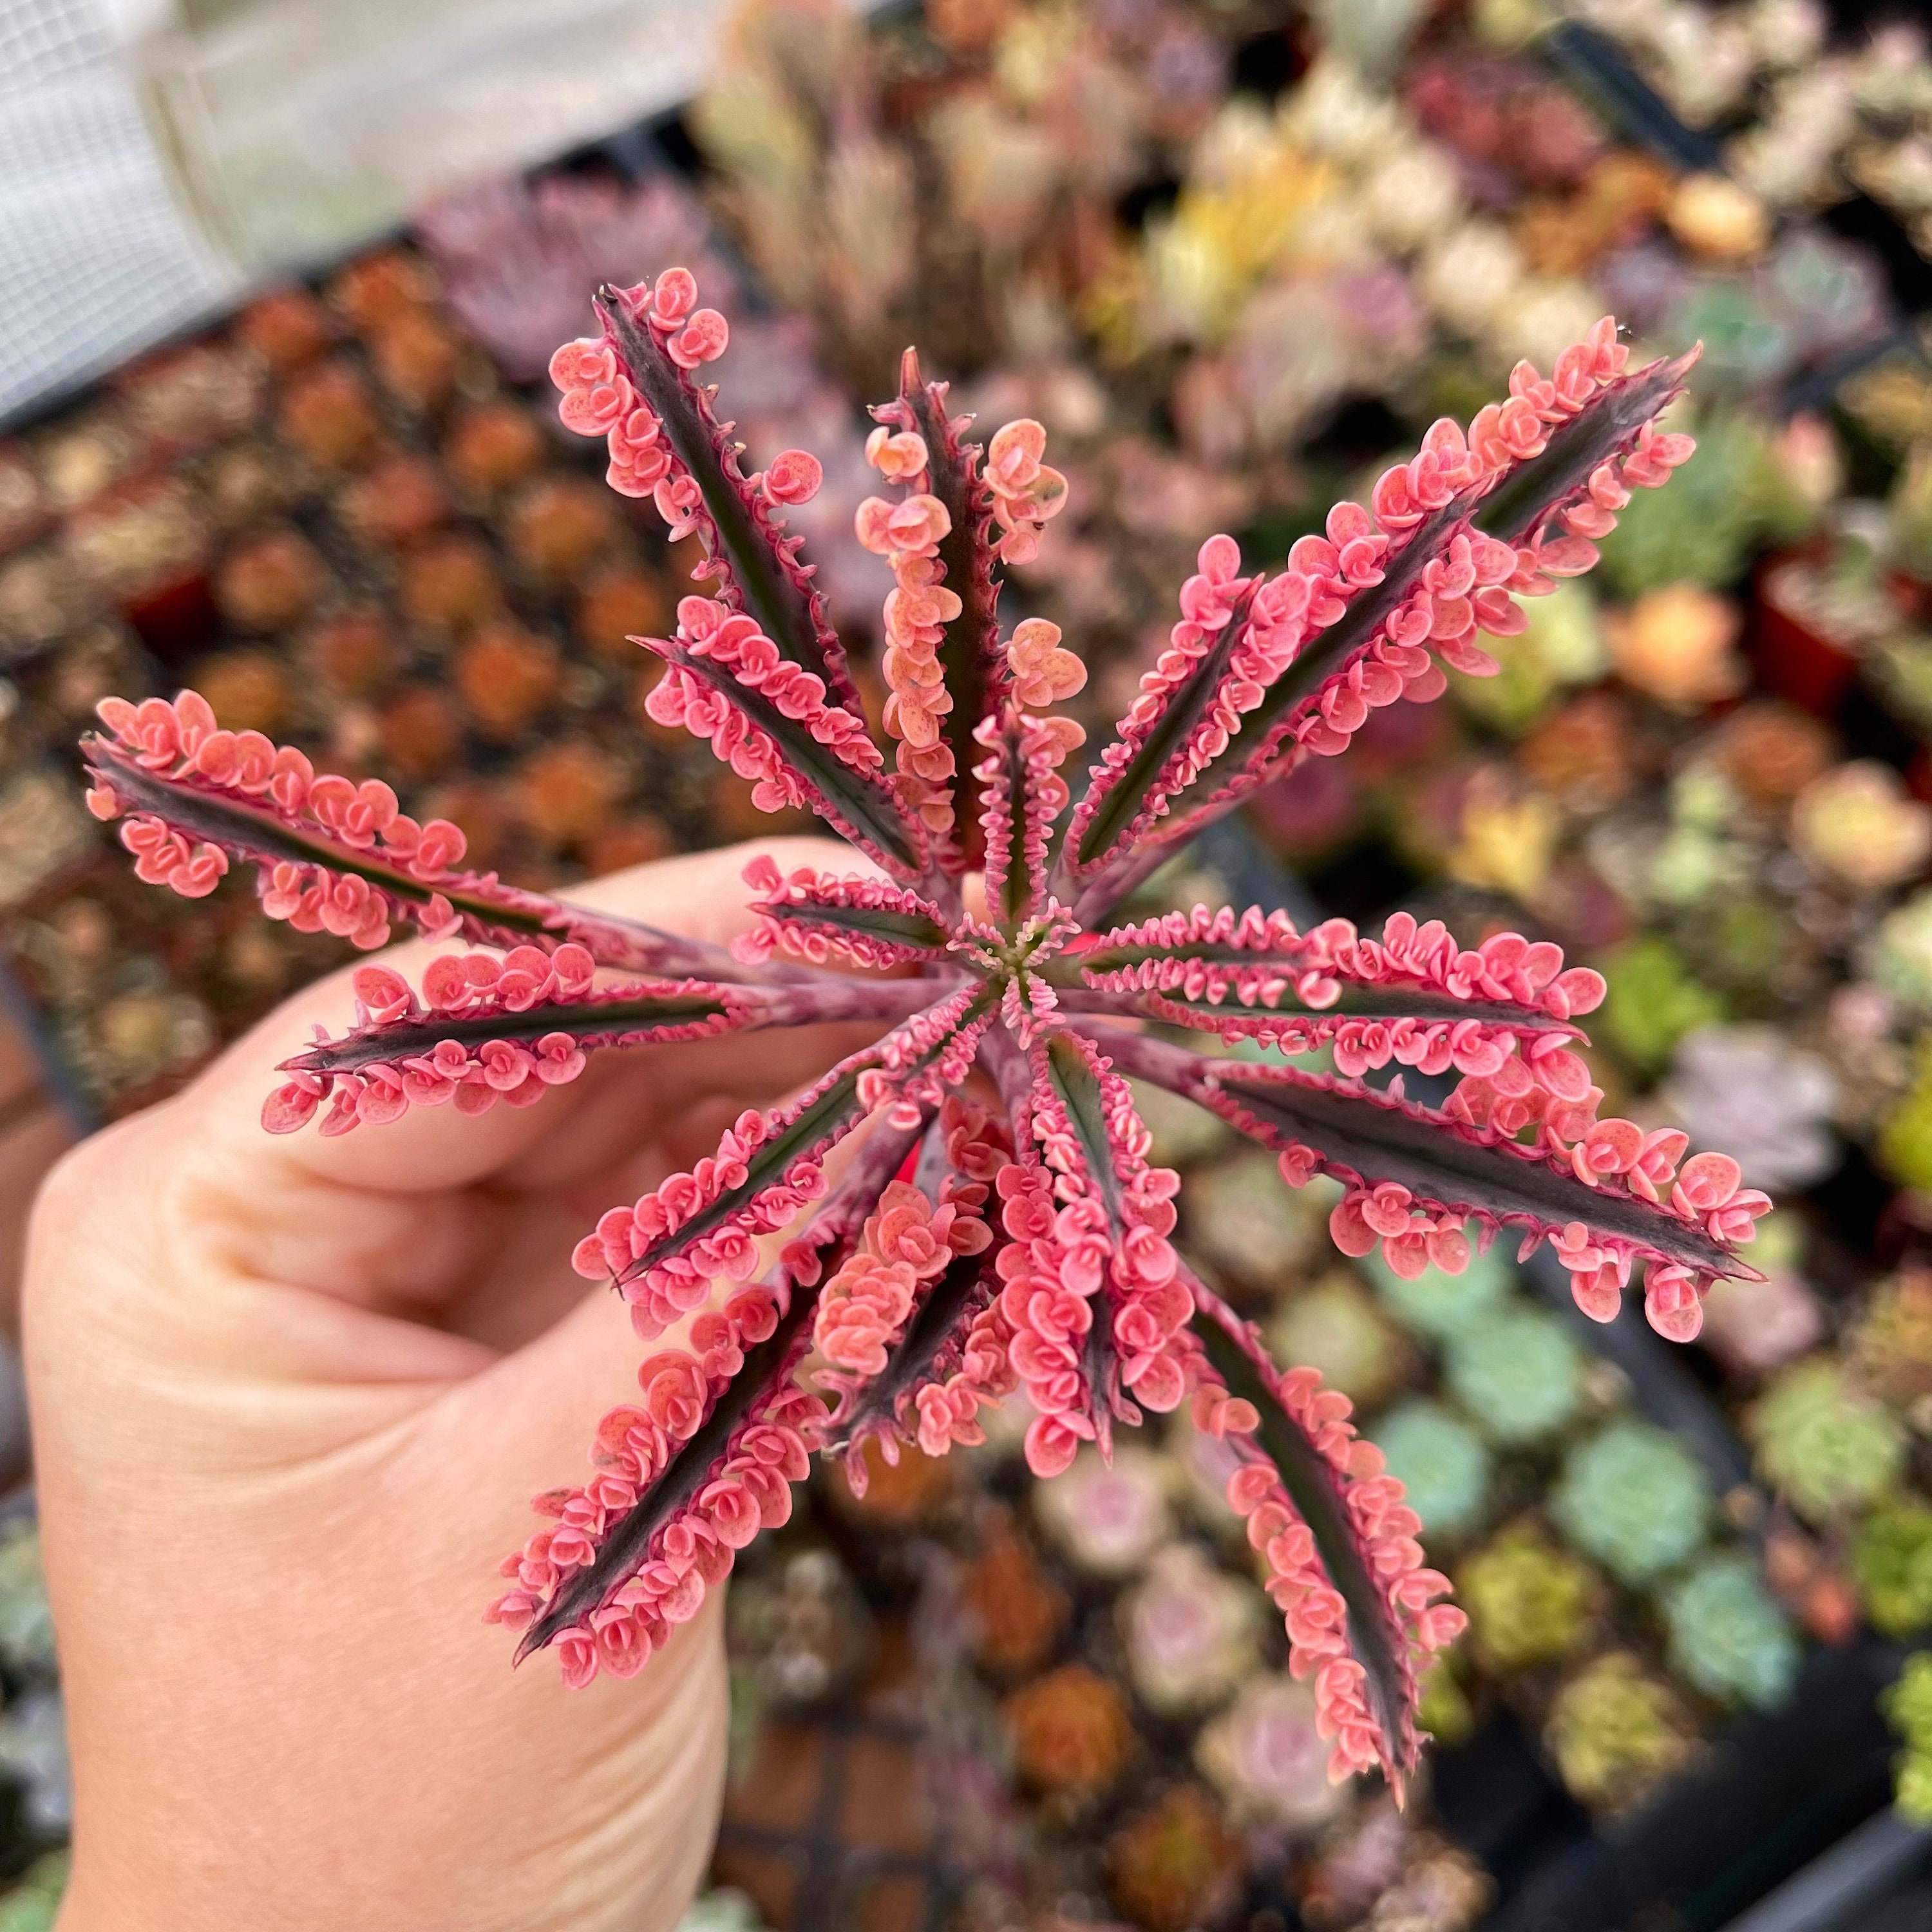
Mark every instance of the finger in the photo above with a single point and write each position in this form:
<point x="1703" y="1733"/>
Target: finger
<point x="700" y="896"/>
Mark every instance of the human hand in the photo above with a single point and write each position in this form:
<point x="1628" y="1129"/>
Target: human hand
<point x="291" y="1397"/>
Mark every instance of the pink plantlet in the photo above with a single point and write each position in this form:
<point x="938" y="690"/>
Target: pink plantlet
<point x="882" y="1258"/>
<point x="861" y="920"/>
<point x="1308" y="1486"/>
<point x="794" y="477"/>
<point x="329" y="856"/>
<point x="1027" y="493"/>
<point x="900" y="457"/>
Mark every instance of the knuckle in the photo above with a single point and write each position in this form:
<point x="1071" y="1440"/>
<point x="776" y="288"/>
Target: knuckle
<point x="88" y="1182"/>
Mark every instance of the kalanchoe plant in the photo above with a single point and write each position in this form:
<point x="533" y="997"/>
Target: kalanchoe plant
<point x="970" y="1236"/>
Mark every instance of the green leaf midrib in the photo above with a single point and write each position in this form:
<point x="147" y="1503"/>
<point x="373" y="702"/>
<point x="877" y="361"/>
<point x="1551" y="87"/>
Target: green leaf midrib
<point x="1512" y="510"/>
<point x="1372" y="1002"/>
<point x="1366" y="612"/>
<point x="933" y="1324"/>
<point x="866" y="806"/>
<point x="1315" y="1489"/>
<point x="837" y="1104"/>
<point x="1126" y="792"/>
<point x="627" y="1546"/>
<point x="402" y="1040"/>
<point x="962" y="653"/>
<point x="1508" y="510"/>
<point x="779" y="607"/>
<point x="905" y="929"/>
<point x="1078" y="1088"/>
<point x="255" y="834"/>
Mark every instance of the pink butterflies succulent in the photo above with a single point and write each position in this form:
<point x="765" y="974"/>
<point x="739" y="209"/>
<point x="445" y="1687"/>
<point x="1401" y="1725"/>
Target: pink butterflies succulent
<point x="965" y="1211"/>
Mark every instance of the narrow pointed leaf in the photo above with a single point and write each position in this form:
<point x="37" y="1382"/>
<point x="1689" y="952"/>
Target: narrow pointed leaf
<point x="1517" y="503"/>
<point x="1233" y="1018"/>
<point x="933" y="1047"/>
<point x="769" y="1367"/>
<point x="477" y="906"/>
<point x="1019" y="786"/>
<point x="1315" y="1489"/>
<point x="857" y="802"/>
<point x="626" y="1017"/>
<point x="1069" y="1100"/>
<point x="763" y="577"/>
<point x="479" y="1050"/>
<point x="1501" y="1012"/>
<point x="1444" y="1163"/>
<point x="828" y="1115"/>
<point x="1368" y="1137"/>
<point x="913" y="933"/>
<point x="867" y="921"/>
<point x="959" y="1293"/>
<point x="975" y="665"/>
<point x="1118" y="799"/>
<point x="1078" y="1088"/>
<point x="1523" y="497"/>
<point x="1509" y="508"/>
<point x="626" y="1546"/>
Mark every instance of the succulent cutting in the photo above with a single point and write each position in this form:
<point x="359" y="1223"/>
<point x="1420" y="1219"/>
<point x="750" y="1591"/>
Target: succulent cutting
<point x="965" y="1208"/>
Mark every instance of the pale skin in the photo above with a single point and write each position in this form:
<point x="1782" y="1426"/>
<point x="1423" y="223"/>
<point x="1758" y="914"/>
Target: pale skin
<point x="291" y="1397"/>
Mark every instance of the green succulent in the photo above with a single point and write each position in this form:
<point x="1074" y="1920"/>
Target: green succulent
<point x="1529" y="1603"/>
<point x="1242" y="1216"/>
<point x="1823" y="1444"/>
<point x="1652" y="1003"/>
<point x="1616" y="1732"/>
<point x="1902" y="952"/>
<point x="1891" y="1565"/>
<point x="1440" y="1305"/>
<point x="1509" y="25"/>
<point x="1744" y="344"/>
<point x="26" y="1624"/>
<point x="1727" y="1637"/>
<point x="1905" y="1135"/>
<point x="1443" y="1709"/>
<point x="1736" y="497"/>
<point x="1562" y="644"/>
<point x="1779" y="1248"/>
<point x="721" y="1911"/>
<point x="35" y="1903"/>
<point x="1904" y="664"/>
<point x="1908" y="514"/>
<point x="1703" y="798"/>
<point x="1183" y="1132"/>
<point x="1697" y="861"/>
<point x="1911" y="1786"/>
<point x="1908" y="1704"/>
<point x="1442" y="1462"/>
<point x="1633" y="1497"/>
<point x="1337" y="1326"/>
<point x="1908" y="1710"/>
<point x="1747" y="943"/>
<point x="1891" y="1346"/>
<point x="1518" y="1372"/>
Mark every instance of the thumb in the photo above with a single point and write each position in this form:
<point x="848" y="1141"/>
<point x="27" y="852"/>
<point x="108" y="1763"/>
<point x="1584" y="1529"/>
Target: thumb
<point x="525" y="1423"/>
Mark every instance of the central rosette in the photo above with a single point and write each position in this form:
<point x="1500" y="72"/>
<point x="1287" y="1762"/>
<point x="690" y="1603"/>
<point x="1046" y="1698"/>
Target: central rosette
<point x="1016" y="962"/>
